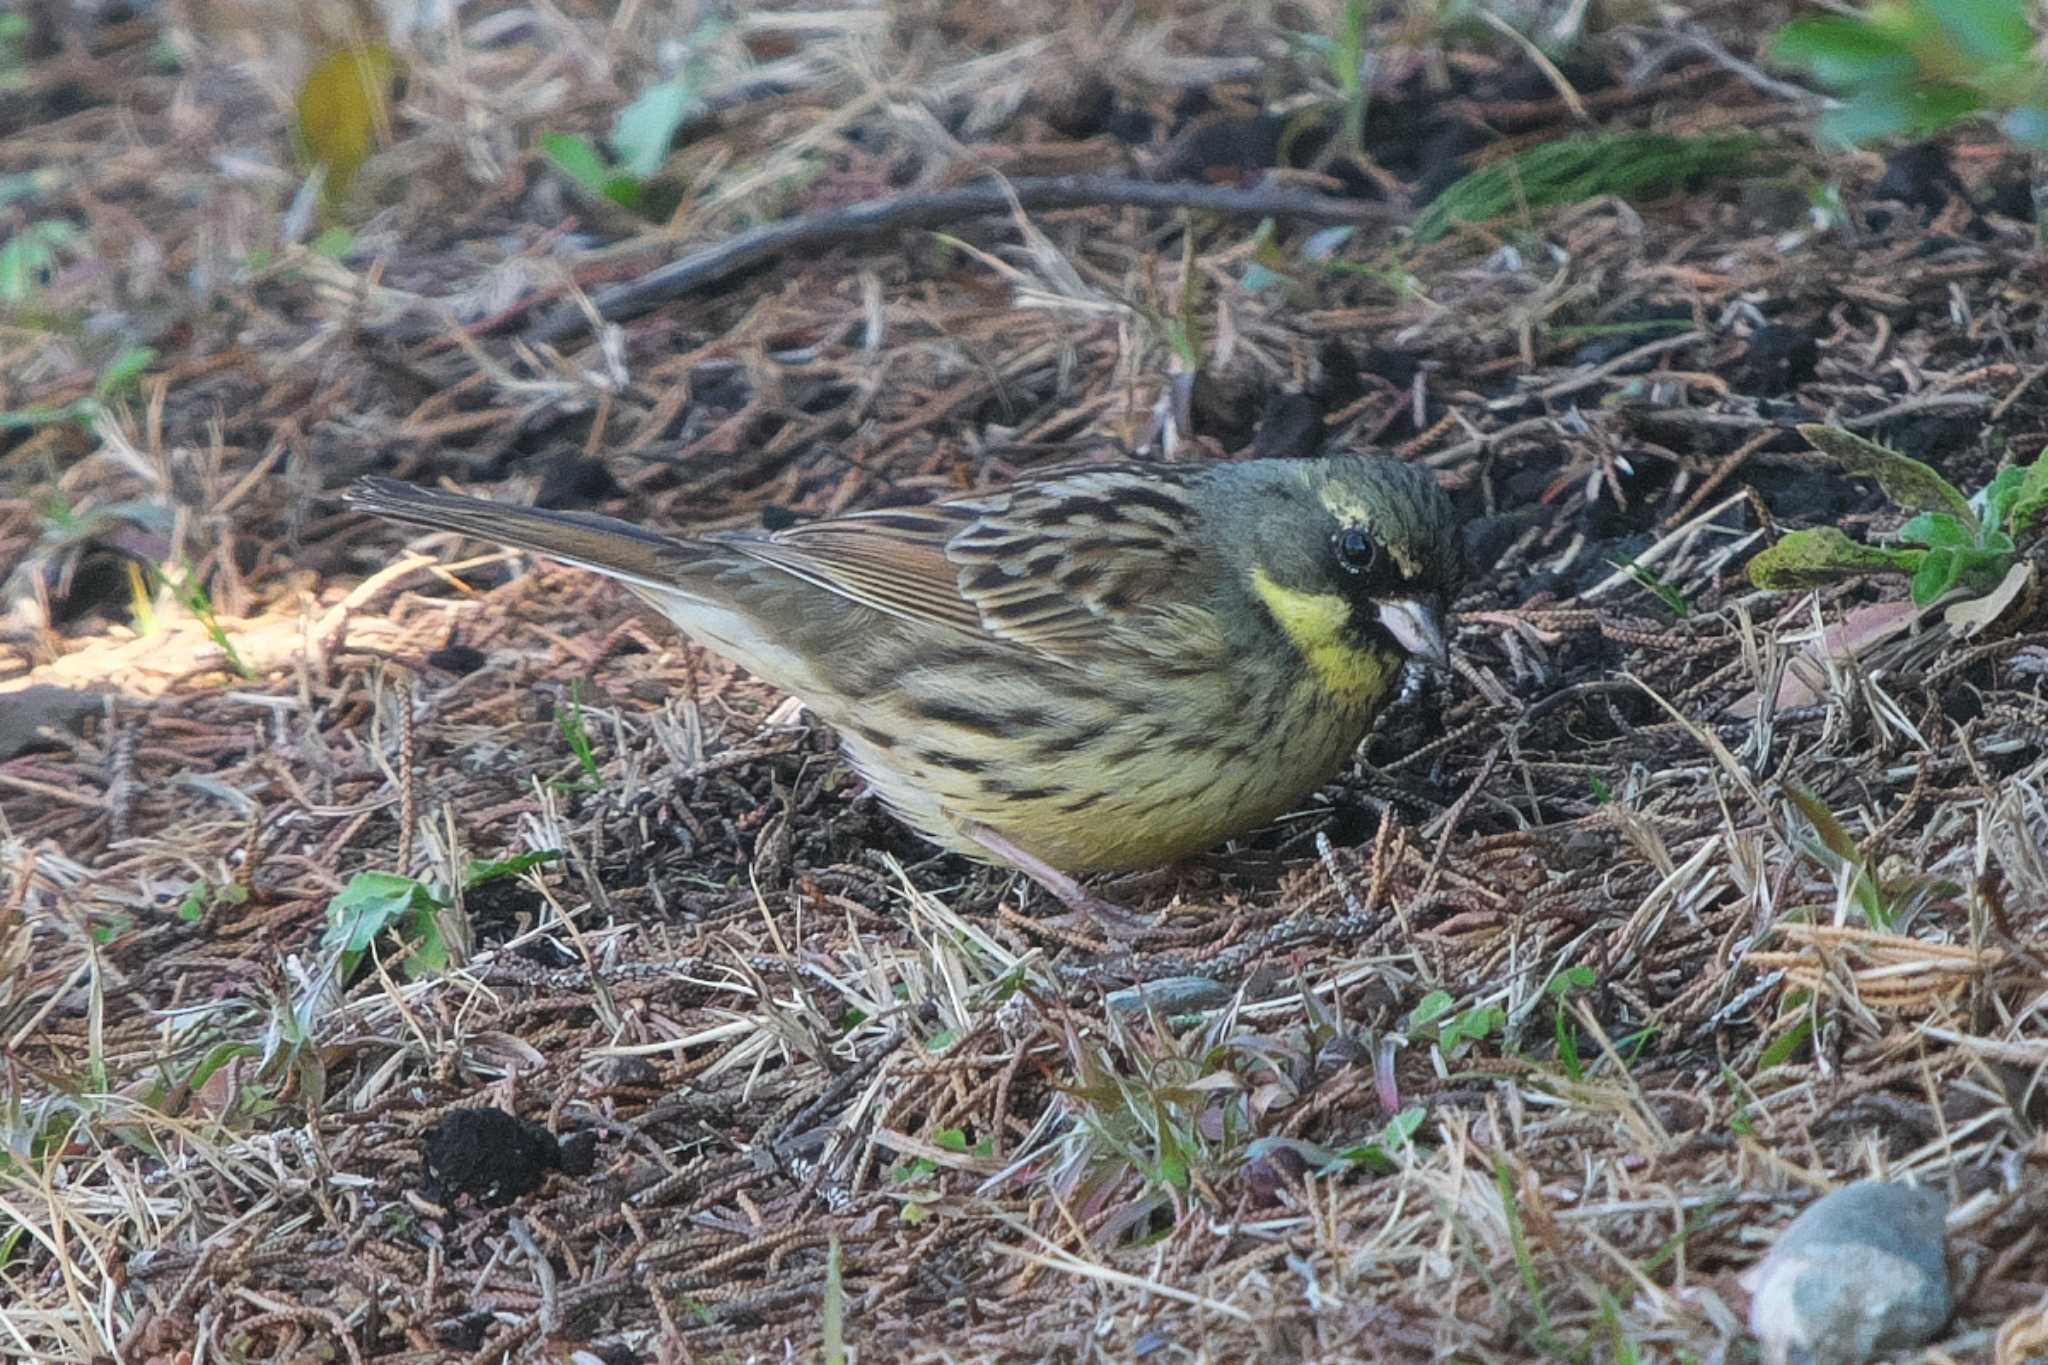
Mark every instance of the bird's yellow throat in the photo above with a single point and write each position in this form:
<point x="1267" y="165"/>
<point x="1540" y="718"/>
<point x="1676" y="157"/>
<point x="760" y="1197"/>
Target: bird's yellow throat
<point x="1318" y="624"/>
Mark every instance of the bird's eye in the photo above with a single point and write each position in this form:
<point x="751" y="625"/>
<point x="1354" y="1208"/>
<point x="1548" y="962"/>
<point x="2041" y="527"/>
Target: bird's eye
<point x="1356" y="549"/>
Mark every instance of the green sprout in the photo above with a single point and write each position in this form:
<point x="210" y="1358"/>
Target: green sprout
<point x="569" y="722"/>
<point x="1351" y="64"/>
<point x="586" y="167"/>
<point x="1951" y="541"/>
<point x="1885" y="902"/>
<point x="1432" y="1021"/>
<point x="1376" y="1157"/>
<point x="191" y="595"/>
<point x="641" y="135"/>
<point x="122" y="375"/>
<point x="1559" y="987"/>
<point x="1651" y="582"/>
<point x="374" y="902"/>
<point x="29" y="255"/>
<point x="203" y="895"/>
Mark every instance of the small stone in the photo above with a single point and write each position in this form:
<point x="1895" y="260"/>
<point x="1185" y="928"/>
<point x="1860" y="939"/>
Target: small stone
<point x="1863" y="1272"/>
<point x="35" y="717"/>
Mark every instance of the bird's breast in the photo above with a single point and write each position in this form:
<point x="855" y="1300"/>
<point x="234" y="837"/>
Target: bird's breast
<point x="1110" y="771"/>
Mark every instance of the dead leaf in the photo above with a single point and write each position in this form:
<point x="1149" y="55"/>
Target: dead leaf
<point x="344" y="111"/>
<point x="1805" y="681"/>
<point x="1974" y="615"/>
<point x="1911" y="485"/>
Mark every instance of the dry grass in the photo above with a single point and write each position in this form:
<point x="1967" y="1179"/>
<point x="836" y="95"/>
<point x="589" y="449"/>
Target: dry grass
<point x="1521" y="1044"/>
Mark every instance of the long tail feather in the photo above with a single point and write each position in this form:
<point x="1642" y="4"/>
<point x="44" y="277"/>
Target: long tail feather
<point x="606" y="545"/>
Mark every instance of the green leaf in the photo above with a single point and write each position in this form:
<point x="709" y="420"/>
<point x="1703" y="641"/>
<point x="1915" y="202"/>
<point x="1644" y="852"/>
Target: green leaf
<point x="1785" y="1045"/>
<point x="1579" y="978"/>
<point x="1568" y="1045"/>
<point x="1933" y="108"/>
<point x="1648" y="581"/>
<point x="1935" y="530"/>
<point x="1823" y="555"/>
<point x="1888" y="110"/>
<point x="1871" y="114"/>
<point x="201" y="895"/>
<point x="220" y="1055"/>
<point x="569" y="721"/>
<point x="586" y="168"/>
<point x="1937" y="573"/>
<point x="1994" y="500"/>
<point x="336" y="243"/>
<point x="1431" y="1008"/>
<point x="576" y="158"/>
<point x="2029" y="500"/>
<point x="1987" y="32"/>
<point x="1843" y="52"/>
<point x="1402" y="1128"/>
<point x="124" y="370"/>
<point x="29" y="255"/>
<point x="1911" y="485"/>
<point x="645" y="128"/>
<point x="430" y="954"/>
<point x="1174" y="1157"/>
<point x="1830" y="829"/>
<point x="193" y="903"/>
<point x="1377" y="1155"/>
<point x="371" y="903"/>
<point x="1473" y="1025"/>
<point x="1980" y="570"/>
<point x="480" y="872"/>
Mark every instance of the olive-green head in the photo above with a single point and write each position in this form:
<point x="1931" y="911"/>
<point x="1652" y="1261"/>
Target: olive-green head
<point x="1352" y="551"/>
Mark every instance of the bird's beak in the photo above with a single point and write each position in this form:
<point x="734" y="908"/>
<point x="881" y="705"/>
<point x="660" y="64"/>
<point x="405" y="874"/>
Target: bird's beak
<point x="1417" y="625"/>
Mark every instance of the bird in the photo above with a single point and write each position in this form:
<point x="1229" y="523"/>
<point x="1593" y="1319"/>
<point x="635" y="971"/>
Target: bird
<point x="1098" y="668"/>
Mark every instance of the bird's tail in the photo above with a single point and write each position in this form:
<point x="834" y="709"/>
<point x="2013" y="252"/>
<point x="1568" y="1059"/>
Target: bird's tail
<point x="617" y="549"/>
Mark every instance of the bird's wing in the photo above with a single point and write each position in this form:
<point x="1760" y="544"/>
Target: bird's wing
<point x="1053" y="563"/>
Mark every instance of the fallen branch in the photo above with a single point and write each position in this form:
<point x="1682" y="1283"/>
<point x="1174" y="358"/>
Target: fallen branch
<point x="904" y="212"/>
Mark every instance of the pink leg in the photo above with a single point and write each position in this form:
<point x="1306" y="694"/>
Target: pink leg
<point x="1072" y="894"/>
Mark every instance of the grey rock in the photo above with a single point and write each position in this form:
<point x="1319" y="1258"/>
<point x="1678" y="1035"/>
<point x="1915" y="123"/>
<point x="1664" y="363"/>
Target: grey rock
<point x="1863" y="1272"/>
<point x="33" y="717"/>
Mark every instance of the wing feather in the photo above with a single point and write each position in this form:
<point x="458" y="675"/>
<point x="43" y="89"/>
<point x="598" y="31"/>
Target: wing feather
<point x="1055" y="564"/>
<point x="897" y="565"/>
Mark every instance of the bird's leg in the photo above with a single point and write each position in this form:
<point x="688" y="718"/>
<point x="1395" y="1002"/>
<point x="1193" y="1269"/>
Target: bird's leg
<point x="1105" y="914"/>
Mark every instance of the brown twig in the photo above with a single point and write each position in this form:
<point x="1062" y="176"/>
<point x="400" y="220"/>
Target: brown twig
<point x="923" y="209"/>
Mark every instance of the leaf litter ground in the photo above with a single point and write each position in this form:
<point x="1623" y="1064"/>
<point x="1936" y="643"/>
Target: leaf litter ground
<point x="1619" y="948"/>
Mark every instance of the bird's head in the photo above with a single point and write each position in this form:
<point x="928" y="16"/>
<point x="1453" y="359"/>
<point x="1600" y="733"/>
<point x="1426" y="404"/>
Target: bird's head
<point x="1349" y="554"/>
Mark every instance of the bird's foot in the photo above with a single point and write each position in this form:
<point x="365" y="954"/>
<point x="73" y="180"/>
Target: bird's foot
<point x="1085" y="910"/>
